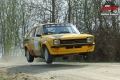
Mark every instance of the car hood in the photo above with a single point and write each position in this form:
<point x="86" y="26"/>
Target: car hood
<point x="69" y="36"/>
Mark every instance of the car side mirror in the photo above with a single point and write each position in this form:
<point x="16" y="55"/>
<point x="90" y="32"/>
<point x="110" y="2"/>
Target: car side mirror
<point x="38" y="35"/>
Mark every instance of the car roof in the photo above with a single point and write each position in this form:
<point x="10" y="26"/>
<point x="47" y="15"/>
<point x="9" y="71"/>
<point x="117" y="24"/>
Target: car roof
<point x="50" y="23"/>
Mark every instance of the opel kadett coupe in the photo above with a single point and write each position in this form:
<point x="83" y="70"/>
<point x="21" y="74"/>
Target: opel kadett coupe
<point x="52" y="40"/>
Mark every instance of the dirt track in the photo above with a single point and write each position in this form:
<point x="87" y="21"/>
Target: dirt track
<point x="60" y="71"/>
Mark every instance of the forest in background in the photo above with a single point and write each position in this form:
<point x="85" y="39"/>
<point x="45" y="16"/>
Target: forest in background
<point x="18" y="16"/>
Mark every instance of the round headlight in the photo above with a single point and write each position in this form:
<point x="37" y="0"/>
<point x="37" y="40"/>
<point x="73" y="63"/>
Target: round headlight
<point x="90" y="39"/>
<point x="56" y="41"/>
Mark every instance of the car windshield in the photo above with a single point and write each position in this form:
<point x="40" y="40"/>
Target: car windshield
<point x="59" y="29"/>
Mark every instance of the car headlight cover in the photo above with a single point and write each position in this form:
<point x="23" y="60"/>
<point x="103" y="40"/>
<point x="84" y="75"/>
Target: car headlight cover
<point x="89" y="39"/>
<point x="56" y="41"/>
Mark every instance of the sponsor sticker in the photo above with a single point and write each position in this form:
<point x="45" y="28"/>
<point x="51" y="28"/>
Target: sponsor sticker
<point x="109" y="8"/>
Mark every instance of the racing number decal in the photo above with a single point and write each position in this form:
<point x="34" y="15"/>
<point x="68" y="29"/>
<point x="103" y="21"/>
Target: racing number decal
<point x="36" y="45"/>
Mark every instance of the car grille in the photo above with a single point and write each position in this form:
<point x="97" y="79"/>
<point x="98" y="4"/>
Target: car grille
<point x="73" y="41"/>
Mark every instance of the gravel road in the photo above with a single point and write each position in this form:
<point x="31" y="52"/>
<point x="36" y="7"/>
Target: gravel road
<point x="59" y="71"/>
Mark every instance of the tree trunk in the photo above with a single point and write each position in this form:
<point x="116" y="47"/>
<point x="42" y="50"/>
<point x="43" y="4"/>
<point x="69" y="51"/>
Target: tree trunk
<point x="69" y="11"/>
<point x="53" y="11"/>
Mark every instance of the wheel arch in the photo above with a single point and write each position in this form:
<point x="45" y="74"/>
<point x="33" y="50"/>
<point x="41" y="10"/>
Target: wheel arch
<point x="44" y="45"/>
<point x="25" y="49"/>
<point x="48" y="46"/>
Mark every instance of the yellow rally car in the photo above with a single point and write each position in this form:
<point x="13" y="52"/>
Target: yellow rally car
<point x="54" y="40"/>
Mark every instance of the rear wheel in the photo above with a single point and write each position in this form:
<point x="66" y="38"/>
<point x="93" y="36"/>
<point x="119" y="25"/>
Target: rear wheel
<point x="48" y="57"/>
<point x="88" y="57"/>
<point x="29" y="57"/>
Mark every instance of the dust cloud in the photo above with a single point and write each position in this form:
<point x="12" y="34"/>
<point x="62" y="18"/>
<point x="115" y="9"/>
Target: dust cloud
<point x="18" y="59"/>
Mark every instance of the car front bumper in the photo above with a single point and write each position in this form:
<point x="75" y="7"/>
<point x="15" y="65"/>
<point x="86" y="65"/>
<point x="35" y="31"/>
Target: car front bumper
<point x="71" y="49"/>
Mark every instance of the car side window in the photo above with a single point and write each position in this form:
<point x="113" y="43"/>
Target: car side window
<point x="37" y="32"/>
<point x="32" y="33"/>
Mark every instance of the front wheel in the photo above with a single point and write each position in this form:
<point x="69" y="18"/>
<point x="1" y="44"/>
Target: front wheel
<point x="88" y="57"/>
<point x="29" y="57"/>
<point x="48" y="57"/>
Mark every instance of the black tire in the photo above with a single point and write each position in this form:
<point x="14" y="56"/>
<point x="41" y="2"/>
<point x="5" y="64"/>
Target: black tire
<point x="88" y="57"/>
<point x="29" y="57"/>
<point x="47" y="56"/>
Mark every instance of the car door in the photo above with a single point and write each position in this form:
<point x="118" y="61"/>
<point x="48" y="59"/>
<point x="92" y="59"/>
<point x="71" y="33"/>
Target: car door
<point x="35" y="41"/>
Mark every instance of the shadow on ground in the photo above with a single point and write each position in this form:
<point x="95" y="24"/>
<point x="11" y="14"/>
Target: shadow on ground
<point x="42" y="67"/>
